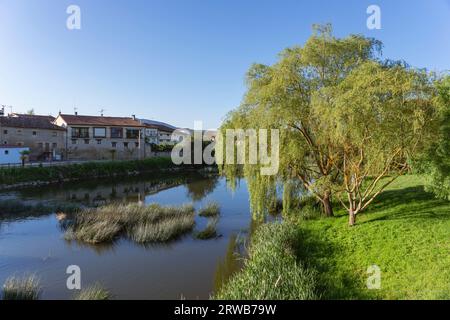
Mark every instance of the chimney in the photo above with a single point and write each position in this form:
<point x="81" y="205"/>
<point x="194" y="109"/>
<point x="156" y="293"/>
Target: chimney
<point x="76" y="113"/>
<point x="134" y="116"/>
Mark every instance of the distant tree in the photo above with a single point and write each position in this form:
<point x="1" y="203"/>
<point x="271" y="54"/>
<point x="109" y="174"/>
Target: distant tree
<point x="24" y="154"/>
<point x="30" y="112"/>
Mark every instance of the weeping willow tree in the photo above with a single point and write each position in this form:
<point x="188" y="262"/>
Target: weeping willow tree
<point x="281" y="97"/>
<point x="437" y="159"/>
<point x="383" y="117"/>
<point x="344" y="118"/>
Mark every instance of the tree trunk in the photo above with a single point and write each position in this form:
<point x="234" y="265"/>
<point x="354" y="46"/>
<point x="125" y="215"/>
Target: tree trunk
<point x="327" y="206"/>
<point x="351" y="218"/>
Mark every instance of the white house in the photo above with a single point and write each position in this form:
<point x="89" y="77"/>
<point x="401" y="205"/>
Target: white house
<point x="158" y="132"/>
<point x="11" y="154"/>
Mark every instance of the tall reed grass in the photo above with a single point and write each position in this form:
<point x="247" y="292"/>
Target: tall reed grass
<point x="272" y="271"/>
<point x="94" y="292"/>
<point x="21" y="288"/>
<point x="211" y="209"/>
<point x="153" y="223"/>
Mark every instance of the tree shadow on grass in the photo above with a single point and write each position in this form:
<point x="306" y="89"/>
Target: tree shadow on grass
<point x="419" y="203"/>
<point x="315" y="254"/>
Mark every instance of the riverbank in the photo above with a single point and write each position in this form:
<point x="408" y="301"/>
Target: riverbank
<point x="13" y="178"/>
<point x="405" y="233"/>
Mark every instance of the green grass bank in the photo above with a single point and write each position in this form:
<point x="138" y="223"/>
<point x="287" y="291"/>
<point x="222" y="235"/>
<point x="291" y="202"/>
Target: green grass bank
<point x="406" y="233"/>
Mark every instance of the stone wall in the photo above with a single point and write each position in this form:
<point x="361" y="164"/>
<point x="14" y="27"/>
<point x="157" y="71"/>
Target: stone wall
<point x="39" y="141"/>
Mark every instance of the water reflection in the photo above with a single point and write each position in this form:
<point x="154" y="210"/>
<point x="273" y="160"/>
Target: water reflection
<point x="129" y="270"/>
<point x="199" y="189"/>
<point x="103" y="192"/>
<point x="231" y="262"/>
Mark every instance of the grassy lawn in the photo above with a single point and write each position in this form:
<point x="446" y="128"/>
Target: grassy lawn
<point x="406" y="232"/>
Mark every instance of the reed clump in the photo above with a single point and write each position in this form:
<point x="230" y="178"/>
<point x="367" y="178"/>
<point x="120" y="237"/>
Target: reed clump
<point x="21" y="288"/>
<point x="94" y="292"/>
<point x="153" y="223"/>
<point x="211" y="209"/>
<point x="210" y="231"/>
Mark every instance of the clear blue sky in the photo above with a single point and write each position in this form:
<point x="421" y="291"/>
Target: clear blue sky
<point x="180" y="61"/>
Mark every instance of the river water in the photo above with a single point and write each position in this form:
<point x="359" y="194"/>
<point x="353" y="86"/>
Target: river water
<point x="187" y="268"/>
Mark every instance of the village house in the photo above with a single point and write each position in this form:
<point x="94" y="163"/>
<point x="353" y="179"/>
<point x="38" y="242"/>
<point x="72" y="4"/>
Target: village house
<point x="44" y="139"/>
<point x="102" y="138"/>
<point x="159" y="133"/>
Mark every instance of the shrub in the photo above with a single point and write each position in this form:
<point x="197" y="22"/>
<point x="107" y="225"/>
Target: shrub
<point x="272" y="271"/>
<point x="310" y="212"/>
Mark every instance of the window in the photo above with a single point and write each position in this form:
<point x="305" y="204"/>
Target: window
<point x="116" y="132"/>
<point x="40" y="145"/>
<point x="100" y="132"/>
<point x="125" y="144"/>
<point x="19" y="144"/>
<point x="99" y="141"/>
<point x="54" y="145"/>
<point x="114" y="144"/>
<point x="74" y="141"/>
<point x="34" y="133"/>
<point x="6" y="151"/>
<point x="136" y="144"/>
<point x="132" y="133"/>
<point x="55" y="134"/>
<point x="5" y="131"/>
<point x="86" y="141"/>
<point x="80" y="132"/>
<point x="19" y="131"/>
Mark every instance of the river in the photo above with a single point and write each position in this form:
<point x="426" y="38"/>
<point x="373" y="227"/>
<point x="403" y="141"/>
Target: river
<point x="185" y="269"/>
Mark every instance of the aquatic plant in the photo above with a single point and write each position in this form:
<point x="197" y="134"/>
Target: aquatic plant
<point x="162" y="231"/>
<point x="272" y="271"/>
<point x="21" y="288"/>
<point x="210" y="231"/>
<point x="153" y="223"/>
<point x="211" y="209"/>
<point x="94" y="292"/>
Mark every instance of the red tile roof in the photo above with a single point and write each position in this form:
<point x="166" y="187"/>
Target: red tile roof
<point x="29" y="123"/>
<point x="36" y="116"/>
<point x="76" y="120"/>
